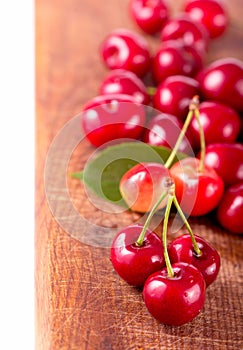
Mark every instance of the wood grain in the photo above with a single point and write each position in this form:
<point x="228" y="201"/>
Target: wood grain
<point x="80" y="302"/>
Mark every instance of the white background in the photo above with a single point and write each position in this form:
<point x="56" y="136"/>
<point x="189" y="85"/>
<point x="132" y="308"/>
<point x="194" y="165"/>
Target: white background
<point x="17" y="118"/>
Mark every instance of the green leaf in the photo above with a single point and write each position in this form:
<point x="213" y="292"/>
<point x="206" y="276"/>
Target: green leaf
<point x="104" y="169"/>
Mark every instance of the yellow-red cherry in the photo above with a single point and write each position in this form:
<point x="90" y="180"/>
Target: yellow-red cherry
<point x="143" y="184"/>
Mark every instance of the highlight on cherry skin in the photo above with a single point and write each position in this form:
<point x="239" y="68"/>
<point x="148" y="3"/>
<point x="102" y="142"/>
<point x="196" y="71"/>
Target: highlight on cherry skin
<point x="230" y="209"/>
<point x="109" y="117"/>
<point x="150" y="16"/>
<point x="217" y="157"/>
<point x="176" y="300"/>
<point x="192" y="33"/>
<point x="133" y="261"/>
<point x="220" y="123"/>
<point x="142" y="185"/>
<point x="210" y="13"/>
<point x="126" y="49"/>
<point x="174" y="58"/>
<point x="198" y="192"/>
<point x="164" y="130"/>
<point x="121" y="81"/>
<point x="208" y="262"/>
<point x="174" y="95"/>
<point x="221" y="81"/>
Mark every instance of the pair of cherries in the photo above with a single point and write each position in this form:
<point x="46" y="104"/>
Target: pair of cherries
<point x="198" y="192"/>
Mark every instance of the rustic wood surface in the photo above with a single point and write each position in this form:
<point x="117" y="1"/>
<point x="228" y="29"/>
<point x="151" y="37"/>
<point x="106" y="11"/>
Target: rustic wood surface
<point x="80" y="302"/>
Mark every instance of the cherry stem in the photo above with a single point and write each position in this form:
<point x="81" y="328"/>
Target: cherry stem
<point x="202" y="141"/>
<point x="151" y="90"/>
<point x="164" y="236"/>
<point x="140" y="239"/>
<point x="193" y="107"/>
<point x="186" y="223"/>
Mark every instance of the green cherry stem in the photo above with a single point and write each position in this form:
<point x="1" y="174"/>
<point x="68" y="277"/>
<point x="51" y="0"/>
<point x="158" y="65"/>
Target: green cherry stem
<point x="140" y="239"/>
<point x="164" y="236"/>
<point x="202" y="140"/>
<point x="192" y="108"/>
<point x="151" y="90"/>
<point x="186" y="223"/>
<point x="168" y="185"/>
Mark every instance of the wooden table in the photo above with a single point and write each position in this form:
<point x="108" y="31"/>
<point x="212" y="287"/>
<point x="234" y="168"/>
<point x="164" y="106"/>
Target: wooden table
<point x="80" y="302"/>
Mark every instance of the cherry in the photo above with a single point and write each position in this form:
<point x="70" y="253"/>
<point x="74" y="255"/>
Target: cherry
<point x="150" y="15"/>
<point x="210" y="13"/>
<point x="174" y="94"/>
<point x="142" y="185"/>
<point x="220" y="123"/>
<point x="222" y="81"/>
<point x="127" y="50"/>
<point x="175" y="300"/>
<point x="106" y="118"/>
<point x="184" y="28"/>
<point x="135" y="262"/>
<point x="198" y="191"/>
<point x="227" y="160"/>
<point x="164" y="130"/>
<point x="230" y="209"/>
<point x="121" y="81"/>
<point x="174" y="58"/>
<point x="208" y="262"/>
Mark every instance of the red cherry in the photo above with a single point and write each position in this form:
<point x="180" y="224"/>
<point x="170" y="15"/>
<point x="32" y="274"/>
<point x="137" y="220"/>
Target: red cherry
<point x="107" y="118"/>
<point x="230" y="209"/>
<point x="174" y="94"/>
<point x="142" y="185"/>
<point x="135" y="263"/>
<point x="198" y="192"/>
<point x="127" y="50"/>
<point x="181" y="249"/>
<point x="174" y="58"/>
<point x="175" y="300"/>
<point x="150" y="15"/>
<point x="164" y="130"/>
<point x="121" y="81"/>
<point x="227" y="160"/>
<point x="220" y="123"/>
<point x="222" y="81"/>
<point x="210" y="13"/>
<point x="190" y="32"/>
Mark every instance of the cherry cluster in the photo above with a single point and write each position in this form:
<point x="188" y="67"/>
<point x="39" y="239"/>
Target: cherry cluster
<point x="174" y="277"/>
<point x="178" y="73"/>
